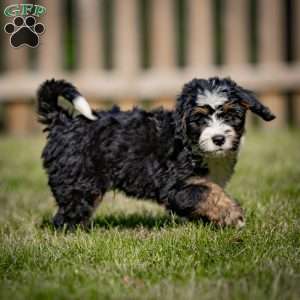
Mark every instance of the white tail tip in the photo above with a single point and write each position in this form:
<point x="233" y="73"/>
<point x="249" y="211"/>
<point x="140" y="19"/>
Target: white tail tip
<point x="83" y="107"/>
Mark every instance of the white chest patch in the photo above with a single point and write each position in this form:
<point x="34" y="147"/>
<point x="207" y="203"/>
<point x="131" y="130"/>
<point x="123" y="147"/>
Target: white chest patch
<point x="220" y="168"/>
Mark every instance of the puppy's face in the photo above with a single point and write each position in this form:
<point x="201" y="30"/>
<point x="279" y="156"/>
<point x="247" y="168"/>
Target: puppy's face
<point x="214" y="113"/>
<point x="216" y="123"/>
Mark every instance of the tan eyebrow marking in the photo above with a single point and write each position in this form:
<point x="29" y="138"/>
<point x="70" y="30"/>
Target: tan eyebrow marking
<point x="201" y="110"/>
<point x="227" y="106"/>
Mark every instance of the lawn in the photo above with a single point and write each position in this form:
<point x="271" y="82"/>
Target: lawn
<point x="137" y="251"/>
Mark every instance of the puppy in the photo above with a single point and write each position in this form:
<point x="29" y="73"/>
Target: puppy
<point x="181" y="159"/>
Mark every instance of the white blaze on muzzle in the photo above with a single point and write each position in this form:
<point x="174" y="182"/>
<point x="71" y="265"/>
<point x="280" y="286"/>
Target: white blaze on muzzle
<point x="216" y="127"/>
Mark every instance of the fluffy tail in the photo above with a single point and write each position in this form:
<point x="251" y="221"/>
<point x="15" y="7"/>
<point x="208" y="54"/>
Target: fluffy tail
<point x="48" y="94"/>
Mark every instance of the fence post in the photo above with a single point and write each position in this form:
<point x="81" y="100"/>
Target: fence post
<point x="236" y="32"/>
<point x="18" y="111"/>
<point x="271" y="49"/>
<point x="90" y="35"/>
<point x="126" y="46"/>
<point x="50" y="49"/>
<point x="49" y="52"/>
<point x="296" y="41"/>
<point x="90" y="32"/>
<point x="162" y="42"/>
<point x="163" y="56"/>
<point x="200" y="34"/>
<point x="237" y="45"/>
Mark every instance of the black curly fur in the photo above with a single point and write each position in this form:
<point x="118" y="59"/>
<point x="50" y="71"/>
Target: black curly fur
<point x="146" y="154"/>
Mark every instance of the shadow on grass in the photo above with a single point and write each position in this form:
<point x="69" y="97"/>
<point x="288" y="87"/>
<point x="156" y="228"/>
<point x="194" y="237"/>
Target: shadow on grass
<point x="137" y="220"/>
<point x="127" y="221"/>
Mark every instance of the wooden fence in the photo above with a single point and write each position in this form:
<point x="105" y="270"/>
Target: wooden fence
<point x="257" y="43"/>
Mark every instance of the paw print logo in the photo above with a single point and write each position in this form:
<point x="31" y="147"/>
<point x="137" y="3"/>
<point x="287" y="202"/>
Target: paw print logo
<point x="24" y="31"/>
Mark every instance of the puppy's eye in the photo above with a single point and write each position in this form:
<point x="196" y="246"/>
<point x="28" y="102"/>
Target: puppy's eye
<point x="198" y="119"/>
<point x="233" y="117"/>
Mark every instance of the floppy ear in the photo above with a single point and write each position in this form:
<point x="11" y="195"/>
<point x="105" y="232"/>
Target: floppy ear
<point x="249" y="100"/>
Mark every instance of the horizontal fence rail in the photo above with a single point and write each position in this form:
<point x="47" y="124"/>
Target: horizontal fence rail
<point x="141" y="52"/>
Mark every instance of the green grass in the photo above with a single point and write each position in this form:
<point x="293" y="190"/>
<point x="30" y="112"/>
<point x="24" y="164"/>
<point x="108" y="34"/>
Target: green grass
<point x="136" y="251"/>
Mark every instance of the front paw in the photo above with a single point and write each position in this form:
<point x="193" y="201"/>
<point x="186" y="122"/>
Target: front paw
<point x="230" y="215"/>
<point x="219" y="208"/>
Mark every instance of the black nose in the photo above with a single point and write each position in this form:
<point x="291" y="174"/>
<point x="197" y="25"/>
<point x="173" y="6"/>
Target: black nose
<point x="218" y="139"/>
